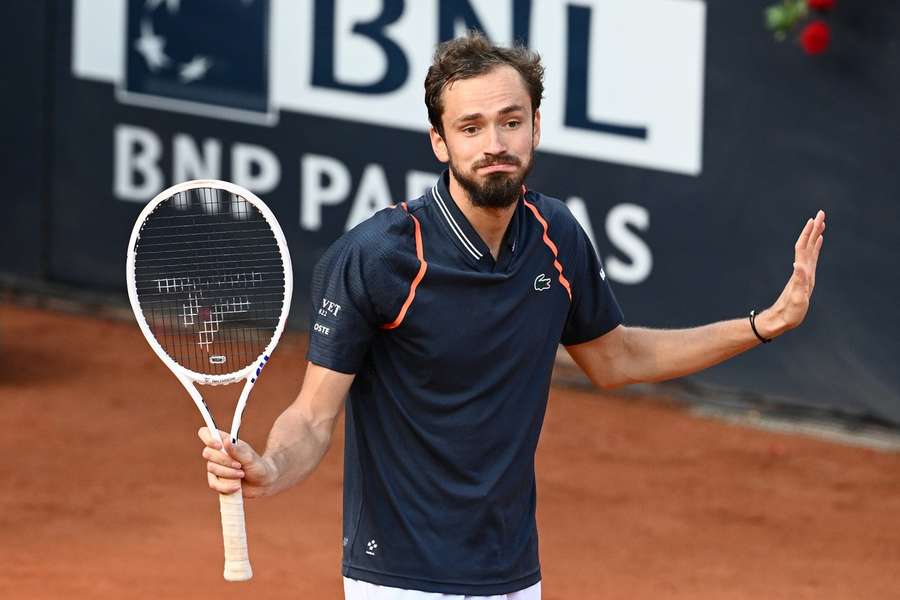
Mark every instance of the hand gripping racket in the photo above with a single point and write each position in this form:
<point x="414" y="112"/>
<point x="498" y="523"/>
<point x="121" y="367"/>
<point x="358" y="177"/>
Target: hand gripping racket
<point x="209" y="278"/>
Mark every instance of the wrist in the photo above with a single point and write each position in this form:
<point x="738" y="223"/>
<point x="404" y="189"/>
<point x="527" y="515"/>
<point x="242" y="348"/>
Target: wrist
<point x="269" y="476"/>
<point x="770" y="323"/>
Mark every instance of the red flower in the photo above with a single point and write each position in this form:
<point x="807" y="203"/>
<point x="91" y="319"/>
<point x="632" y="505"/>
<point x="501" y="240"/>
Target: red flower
<point x="815" y="37"/>
<point x="823" y="5"/>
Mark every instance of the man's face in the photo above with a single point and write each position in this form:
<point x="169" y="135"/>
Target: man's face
<point x="489" y="138"/>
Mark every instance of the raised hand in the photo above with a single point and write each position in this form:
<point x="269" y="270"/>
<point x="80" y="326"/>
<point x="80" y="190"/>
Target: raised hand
<point x="791" y="306"/>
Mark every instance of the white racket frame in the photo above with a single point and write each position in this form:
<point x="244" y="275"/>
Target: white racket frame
<point x="237" y="561"/>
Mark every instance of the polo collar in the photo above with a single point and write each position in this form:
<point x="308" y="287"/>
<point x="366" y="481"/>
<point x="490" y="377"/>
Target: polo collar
<point x="461" y="231"/>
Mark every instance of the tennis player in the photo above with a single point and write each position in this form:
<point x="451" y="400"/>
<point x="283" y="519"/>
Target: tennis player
<point x="440" y="318"/>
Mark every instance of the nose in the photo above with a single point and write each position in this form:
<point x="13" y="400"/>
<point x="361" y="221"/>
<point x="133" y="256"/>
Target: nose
<point x="496" y="145"/>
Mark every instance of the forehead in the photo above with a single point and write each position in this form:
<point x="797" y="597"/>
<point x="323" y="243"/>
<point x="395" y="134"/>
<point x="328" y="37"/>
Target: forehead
<point x="500" y="87"/>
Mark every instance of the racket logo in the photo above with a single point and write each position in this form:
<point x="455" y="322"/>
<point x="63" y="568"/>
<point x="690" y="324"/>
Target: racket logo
<point x="217" y="359"/>
<point x="212" y="316"/>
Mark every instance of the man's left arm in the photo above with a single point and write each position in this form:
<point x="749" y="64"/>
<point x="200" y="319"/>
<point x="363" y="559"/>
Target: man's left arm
<point x="635" y="355"/>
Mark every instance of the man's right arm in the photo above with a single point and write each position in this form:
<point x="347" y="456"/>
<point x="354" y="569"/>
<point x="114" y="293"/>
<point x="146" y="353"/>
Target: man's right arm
<point x="297" y="442"/>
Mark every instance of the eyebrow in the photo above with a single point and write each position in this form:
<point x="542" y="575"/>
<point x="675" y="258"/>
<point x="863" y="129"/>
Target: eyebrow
<point x="503" y="111"/>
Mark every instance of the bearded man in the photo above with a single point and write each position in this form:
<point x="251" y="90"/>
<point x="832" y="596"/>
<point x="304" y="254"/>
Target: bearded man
<point x="439" y="321"/>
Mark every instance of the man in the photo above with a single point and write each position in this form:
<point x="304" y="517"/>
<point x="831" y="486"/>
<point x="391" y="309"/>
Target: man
<point x="441" y="319"/>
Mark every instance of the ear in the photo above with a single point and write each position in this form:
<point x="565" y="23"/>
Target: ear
<point x="536" y="129"/>
<point x="438" y="145"/>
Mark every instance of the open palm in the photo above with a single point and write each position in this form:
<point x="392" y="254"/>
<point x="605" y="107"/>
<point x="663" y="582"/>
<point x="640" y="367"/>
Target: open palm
<point x="793" y="302"/>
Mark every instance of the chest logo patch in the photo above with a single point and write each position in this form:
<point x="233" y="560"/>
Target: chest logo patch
<point x="541" y="283"/>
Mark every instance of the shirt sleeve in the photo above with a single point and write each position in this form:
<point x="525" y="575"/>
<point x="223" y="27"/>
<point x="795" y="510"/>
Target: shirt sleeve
<point x="343" y="319"/>
<point x="594" y="310"/>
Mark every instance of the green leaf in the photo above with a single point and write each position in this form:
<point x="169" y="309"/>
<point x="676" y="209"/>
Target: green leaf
<point x="783" y="17"/>
<point x="796" y="10"/>
<point x="776" y="18"/>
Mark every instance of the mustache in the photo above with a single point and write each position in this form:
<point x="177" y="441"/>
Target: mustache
<point x="502" y="159"/>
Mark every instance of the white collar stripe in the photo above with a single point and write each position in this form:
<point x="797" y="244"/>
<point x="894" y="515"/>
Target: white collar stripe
<point x="453" y="224"/>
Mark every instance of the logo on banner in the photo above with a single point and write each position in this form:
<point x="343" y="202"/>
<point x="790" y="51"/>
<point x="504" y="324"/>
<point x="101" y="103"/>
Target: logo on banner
<point x="610" y="95"/>
<point x="203" y="58"/>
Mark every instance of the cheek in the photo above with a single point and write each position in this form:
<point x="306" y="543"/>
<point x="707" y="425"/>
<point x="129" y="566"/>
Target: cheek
<point x="463" y="151"/>
<point x="524" y="144"/>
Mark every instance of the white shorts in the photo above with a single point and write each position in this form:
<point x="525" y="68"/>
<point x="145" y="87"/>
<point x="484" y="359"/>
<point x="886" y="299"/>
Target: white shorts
<point x="363" y="590"/>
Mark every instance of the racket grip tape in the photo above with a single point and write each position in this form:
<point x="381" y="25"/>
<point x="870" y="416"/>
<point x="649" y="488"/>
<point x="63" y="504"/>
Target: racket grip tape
<point x="234" y="535"/>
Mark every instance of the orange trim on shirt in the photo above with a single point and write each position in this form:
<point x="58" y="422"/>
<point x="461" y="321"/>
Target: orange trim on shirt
<point x="423" y="266"/>
<point x="552" y="246"/>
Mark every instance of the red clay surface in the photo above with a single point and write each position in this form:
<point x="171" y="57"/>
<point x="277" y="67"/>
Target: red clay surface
<point x="104" y="491"/>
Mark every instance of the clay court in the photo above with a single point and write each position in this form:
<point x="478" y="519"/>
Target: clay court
<point x="106" y="491"/>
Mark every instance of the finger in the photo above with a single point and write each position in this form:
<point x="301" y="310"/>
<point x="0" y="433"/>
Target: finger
<point x="815" y="261"/>
<point x="223" y="486"/>
<point x="210" y="439"/>
<point x="804" y="235"/>
<point x="224" y="472"/>
<point x="219" y="457"/>
<point x="812" y="255"/>
<point x="207" y="437"/>
<point x="817" y="229"/>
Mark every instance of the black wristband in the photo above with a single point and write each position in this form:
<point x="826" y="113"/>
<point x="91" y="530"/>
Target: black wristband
<point x="753" y="327"/>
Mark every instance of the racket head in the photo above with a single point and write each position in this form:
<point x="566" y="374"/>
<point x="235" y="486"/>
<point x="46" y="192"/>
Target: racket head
<point x="209" y="279"/>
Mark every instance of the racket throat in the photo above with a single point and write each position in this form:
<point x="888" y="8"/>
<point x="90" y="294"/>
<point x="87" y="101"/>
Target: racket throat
<point x="241" y="404"/>
<point x="194" y="393"/>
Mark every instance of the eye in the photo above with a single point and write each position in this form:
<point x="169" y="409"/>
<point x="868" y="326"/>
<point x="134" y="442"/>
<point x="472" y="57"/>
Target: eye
<point x="514" y="124"/>
<point x="470" y="130"/>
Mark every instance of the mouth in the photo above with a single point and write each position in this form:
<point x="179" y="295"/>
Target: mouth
<point x="500" y="168"/>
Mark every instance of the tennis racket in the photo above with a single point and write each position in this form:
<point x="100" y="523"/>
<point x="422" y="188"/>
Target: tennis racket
<point x="209" y="278"/>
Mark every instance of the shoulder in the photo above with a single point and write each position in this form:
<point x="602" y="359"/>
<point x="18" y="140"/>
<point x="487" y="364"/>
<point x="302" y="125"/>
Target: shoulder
<point x="387" y="233"/>
<point x="378" y="256"/>
<point x="383" y="231"/>
<point x="552" y="211"/>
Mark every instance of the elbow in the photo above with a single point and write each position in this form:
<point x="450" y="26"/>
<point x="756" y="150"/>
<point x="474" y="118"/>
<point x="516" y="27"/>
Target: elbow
<point x="617" y="374"/>
<point x="609" y="380"/>
<point x="612" y="384"/>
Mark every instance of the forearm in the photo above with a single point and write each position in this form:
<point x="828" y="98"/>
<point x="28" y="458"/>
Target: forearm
<point x="653" y="355"/>
<point x="302" y="433"/>
<point x="296" y="445"/>
<point x="626" y="355"/>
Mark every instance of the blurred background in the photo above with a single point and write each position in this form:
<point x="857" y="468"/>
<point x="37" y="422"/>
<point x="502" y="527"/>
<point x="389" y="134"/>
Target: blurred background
<point x="689" y="139"/>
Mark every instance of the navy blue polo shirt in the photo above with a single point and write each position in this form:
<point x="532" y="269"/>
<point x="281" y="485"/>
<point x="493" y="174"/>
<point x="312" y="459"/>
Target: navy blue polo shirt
<point x="453" y="353"/>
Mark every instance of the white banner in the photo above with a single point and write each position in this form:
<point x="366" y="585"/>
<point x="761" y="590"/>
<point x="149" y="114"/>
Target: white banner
<point x="624" y="78"/>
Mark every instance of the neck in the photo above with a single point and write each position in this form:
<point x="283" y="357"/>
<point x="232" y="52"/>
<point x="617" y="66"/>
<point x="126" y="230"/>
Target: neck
<point x="489" y="223"/>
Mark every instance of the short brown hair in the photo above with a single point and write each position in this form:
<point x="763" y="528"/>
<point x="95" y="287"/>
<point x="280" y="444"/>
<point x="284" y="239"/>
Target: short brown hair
<point x="473" y="55"/>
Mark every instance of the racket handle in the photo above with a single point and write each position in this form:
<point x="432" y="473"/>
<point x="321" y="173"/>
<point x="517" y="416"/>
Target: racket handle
<point x="234" y="535"/>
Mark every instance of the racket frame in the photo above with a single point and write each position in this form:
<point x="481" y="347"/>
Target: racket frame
<point x="237" y="564"/>
<point x="204" y="378"/>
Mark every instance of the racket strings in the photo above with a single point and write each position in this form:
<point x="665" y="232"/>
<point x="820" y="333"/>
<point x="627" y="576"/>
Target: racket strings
<point x="210" y="280"/>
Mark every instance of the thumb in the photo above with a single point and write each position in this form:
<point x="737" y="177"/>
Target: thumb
<point x="255" y="467"/>
<point x="241" y="451"/>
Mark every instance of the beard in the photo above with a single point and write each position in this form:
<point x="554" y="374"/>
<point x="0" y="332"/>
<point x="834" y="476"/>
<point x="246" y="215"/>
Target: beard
<point x="498" y="190"/>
